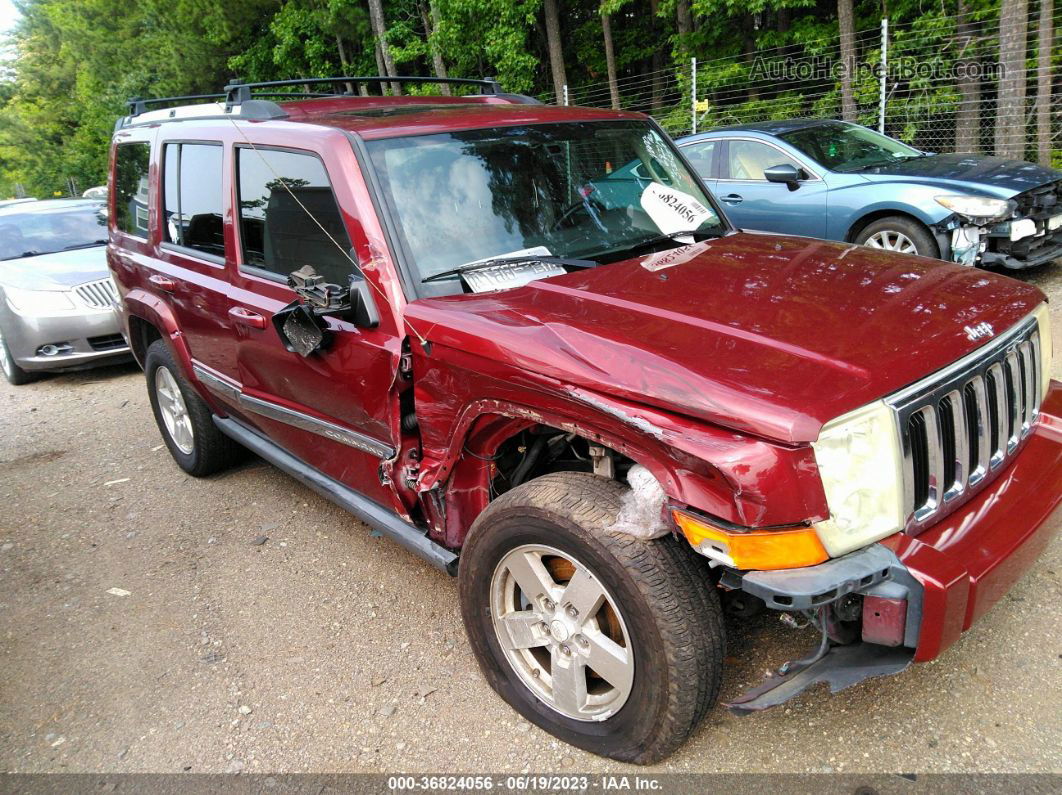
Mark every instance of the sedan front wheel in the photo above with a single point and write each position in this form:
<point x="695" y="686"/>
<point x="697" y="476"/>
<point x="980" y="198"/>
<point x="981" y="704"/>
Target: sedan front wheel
<point x="900" y="234"/>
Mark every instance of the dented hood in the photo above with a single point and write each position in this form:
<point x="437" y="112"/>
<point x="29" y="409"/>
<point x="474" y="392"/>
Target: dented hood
<point x="763" y="334"/>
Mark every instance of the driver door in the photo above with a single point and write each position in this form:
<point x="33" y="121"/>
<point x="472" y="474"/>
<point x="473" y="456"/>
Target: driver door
<point x="332" y="409"/>
<point x="752" y="202"/>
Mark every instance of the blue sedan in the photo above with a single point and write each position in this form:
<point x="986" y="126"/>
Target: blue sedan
<point x="840" y="181"/>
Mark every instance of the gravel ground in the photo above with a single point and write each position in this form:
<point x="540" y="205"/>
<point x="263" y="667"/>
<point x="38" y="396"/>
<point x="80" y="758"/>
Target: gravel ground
<point x="325" y="649"/>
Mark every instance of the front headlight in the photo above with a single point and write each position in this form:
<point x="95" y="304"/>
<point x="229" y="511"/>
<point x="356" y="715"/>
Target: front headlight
<point x="1043" y="320"/>
<point x="859" y="462"/>
<point x="38" y="301"/>
<point x="980" y="208"/>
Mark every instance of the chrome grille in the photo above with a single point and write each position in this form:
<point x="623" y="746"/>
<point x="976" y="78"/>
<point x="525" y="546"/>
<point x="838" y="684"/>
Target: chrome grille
<point x="960" y="425"/>
<point x="100" y="294"/>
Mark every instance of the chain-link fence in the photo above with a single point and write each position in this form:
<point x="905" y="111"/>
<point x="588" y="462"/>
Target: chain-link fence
<point x="938" y="83"/>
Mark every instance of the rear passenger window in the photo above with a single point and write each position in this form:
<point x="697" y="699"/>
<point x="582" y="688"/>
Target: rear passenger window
<point x="285" y="200"/>
<point x="191" y="185"/>
<point x="131" y="188"/>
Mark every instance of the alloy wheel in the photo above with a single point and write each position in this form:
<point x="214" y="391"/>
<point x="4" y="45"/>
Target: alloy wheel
<point x="174" y="411"/>
<point x="891" y="240"/>
<point x="562" y="632"/>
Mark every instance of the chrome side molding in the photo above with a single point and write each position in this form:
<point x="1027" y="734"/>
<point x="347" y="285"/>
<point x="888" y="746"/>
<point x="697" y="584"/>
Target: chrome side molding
<point x="297" y="419"/>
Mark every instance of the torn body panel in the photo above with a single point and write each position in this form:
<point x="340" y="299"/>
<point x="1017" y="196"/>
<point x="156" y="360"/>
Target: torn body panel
<point x="468" y="405"/>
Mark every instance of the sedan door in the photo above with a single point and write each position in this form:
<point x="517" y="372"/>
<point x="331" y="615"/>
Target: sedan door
<point x="754" y="203"/>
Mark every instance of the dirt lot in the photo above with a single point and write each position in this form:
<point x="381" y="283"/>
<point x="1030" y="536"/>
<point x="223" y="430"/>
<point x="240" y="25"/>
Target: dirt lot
<point x="327" y="649"/>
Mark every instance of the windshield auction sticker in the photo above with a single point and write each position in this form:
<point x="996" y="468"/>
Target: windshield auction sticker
<point x="506" y="276"/>
<point x="672" y="210"/>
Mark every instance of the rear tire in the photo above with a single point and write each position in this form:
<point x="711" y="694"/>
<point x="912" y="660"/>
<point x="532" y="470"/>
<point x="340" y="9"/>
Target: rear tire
<point x="646" y="619"/>
<point x="898" y="233"/>
<point x="184" y="419"/>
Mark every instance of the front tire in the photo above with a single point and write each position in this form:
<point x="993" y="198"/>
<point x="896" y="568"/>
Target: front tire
<point x="184" y="419"/>
<point x="14" y="374"/>
<point x="611" y="643"/>
<point x="897" y="233"/>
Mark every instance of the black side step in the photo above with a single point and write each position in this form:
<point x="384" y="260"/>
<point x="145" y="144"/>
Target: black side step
<point x="376" y="516"/>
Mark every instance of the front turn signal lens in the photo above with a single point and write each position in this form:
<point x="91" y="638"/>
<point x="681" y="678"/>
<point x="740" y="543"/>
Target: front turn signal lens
<point x="755" y="551"/>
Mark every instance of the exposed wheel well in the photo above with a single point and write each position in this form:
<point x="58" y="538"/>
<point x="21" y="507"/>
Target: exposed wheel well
<point x="503" y="452"/>
<point x="541" y="449"/>
<point x="141" y="334"/>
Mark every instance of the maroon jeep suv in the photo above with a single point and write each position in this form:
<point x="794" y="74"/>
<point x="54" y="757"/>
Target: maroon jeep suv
<point x="525" y="343"/>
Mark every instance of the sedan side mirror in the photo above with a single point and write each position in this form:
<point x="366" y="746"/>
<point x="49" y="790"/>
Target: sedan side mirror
<point x="785" y="173"/>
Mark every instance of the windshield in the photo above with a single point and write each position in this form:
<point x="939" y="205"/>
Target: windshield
<point x="848" y="147"/>
<point x="33" y="232"/>
<point x="575" y="190"/>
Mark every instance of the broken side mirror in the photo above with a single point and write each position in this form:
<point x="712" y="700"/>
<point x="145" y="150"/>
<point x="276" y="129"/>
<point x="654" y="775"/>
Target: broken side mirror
<point x="301" y="324"/>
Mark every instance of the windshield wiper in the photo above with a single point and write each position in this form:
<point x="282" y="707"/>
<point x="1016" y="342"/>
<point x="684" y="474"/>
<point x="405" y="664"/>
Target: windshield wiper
<point x="697" y="235"/>
<point x="496" y="261"/>
<point x="883" y="163"/>
<point x="85" y="245"/>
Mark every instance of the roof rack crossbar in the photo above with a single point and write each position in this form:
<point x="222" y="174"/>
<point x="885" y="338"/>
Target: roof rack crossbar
<point x="138" y="105"/>
<point x="238" y="93"/>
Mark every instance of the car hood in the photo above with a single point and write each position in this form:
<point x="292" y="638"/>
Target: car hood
<point x="994" y="175"/>
<point x="56" y="271"/>
<point x="760" y="333"/>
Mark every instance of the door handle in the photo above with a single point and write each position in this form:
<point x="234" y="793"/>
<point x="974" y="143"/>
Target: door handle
<point x="164" y="283"/>
<point x="732" y="198"/>
<point x="245" y="317"/>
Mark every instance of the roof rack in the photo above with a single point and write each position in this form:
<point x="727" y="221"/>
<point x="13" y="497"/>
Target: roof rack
<point x="238" y="93"/>
<point x="246" y="100"/>
<point x="137" y="105"/>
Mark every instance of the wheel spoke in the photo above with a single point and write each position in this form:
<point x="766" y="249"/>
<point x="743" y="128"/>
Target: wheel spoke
<point x="610" y="661"/>
<point x="184" y="432"/>
<point x="522" y="629"/>
<point x="585" y="594"/>
<point x="569" y="682"/>
<point x="531" y="575"/>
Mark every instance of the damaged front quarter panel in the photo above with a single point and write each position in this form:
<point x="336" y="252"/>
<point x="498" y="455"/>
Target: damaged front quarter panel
<point x="468" y="405"/>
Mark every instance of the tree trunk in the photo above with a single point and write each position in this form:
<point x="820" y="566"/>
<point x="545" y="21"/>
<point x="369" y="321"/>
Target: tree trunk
<point x="683" y="18"/>
<point x="380" y="68"/>
<point x="656" y="102"/>
<point x="1044" y="82"/>
<point x="556" y="49"/>
<point x="344" y="65"/>
<point x="436" y="54"/>
<point x="1010" y="107"/>
<point x="846" y="23"/>
<point x="379" y="30"/>
<point x="610" y="61"/>
<point x="968" y="115"/>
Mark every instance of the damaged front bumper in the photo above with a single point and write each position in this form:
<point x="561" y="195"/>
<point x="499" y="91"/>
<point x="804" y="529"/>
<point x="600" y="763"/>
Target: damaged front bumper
<point x="911" y="597"/>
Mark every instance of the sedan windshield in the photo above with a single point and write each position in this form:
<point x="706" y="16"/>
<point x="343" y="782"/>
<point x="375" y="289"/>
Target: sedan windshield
<point x="848" y="147"/>
<point x="572" y="191"/>
<point x="36" y="231"/>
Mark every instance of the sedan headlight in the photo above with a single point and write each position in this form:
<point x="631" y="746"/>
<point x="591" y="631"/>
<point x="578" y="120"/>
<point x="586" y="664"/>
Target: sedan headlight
<point x="1043" y="320"/>
<point x="980" y="208"/>
<point x="38" y="301"/>
<point x="858" y="456"/>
